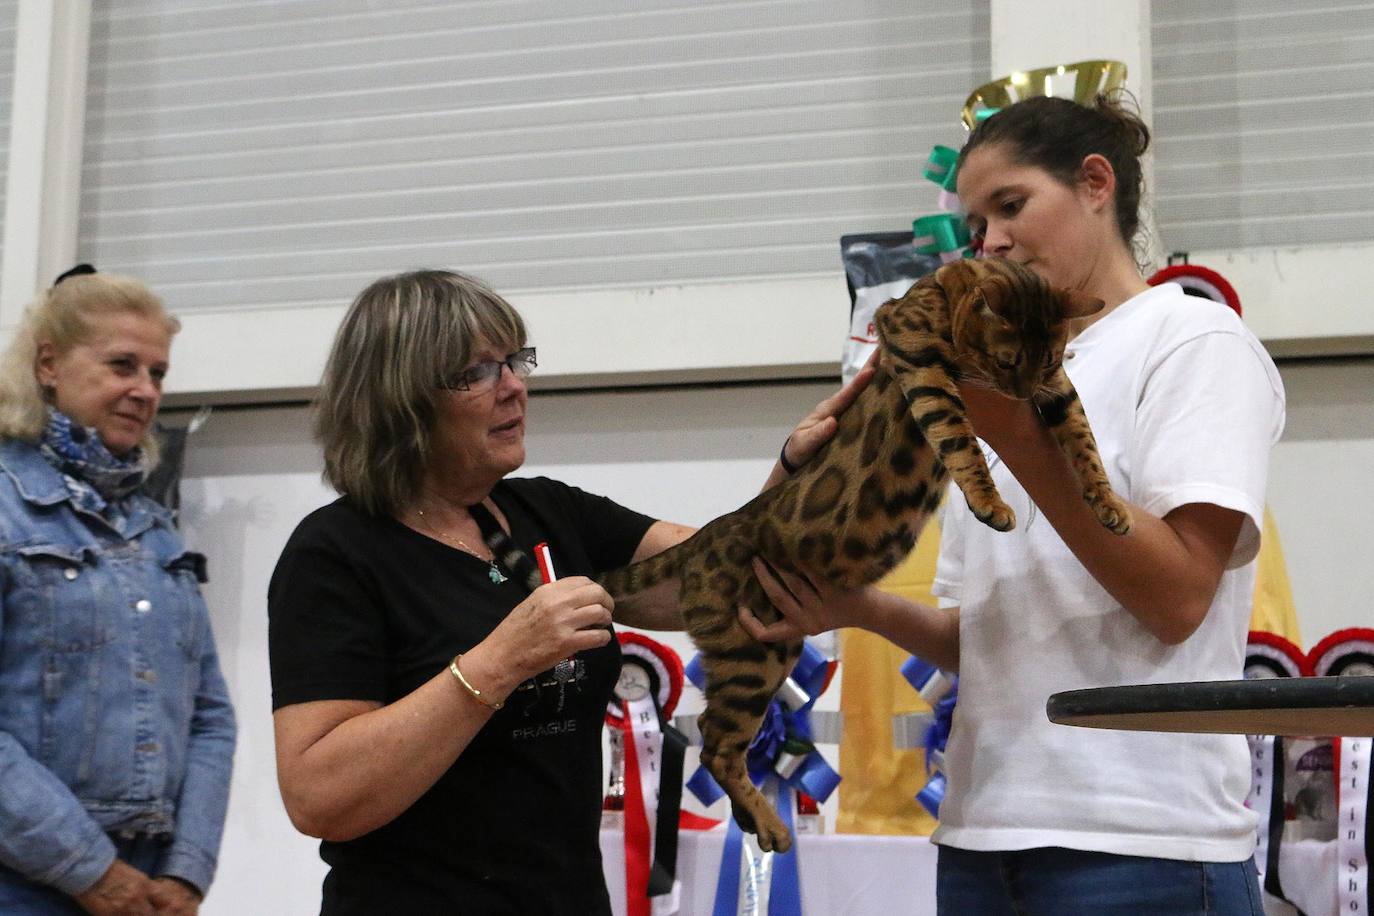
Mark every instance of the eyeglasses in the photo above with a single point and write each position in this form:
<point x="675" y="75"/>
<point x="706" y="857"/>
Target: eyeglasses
<point x="484" y="376"/>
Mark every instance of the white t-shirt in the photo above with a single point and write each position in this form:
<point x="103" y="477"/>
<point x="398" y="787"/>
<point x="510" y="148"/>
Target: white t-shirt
<point x="1185" y="405"/>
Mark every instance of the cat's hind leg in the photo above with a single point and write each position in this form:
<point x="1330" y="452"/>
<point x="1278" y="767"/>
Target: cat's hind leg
<point x="742" y="675"/>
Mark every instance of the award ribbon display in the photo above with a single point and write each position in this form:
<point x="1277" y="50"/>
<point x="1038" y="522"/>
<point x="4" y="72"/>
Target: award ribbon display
<point x="782" y="760"/>
<point x="1268" y="655"/>
<point x="941" y="691"/>
<point x="650" y="684"/>
<point x="1350" y="653"/>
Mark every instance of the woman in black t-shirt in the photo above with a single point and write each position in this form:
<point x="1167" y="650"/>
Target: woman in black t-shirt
<point x="437" y="709"/>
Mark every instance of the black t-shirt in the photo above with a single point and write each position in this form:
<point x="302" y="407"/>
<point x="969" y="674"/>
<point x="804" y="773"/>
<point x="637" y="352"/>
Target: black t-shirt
<point x="364" y="608"/>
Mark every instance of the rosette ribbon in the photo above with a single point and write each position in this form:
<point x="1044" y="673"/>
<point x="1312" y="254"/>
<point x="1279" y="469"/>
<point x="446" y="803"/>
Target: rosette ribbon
<point x="943" y="234"/>
<point x="782" y="760"/>
<point x="942" y="168"/>
<point x="649" y="687"/>
<point x="1269" y="655"/>
<point x="941" y="691"/>
<point x="1350" y="653"/>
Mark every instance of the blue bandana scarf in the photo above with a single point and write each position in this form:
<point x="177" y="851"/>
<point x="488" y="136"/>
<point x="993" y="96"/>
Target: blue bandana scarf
<point x="95" y="477"/>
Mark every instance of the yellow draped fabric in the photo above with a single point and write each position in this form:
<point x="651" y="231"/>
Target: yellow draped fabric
<point x="877" y="794"/>
<point x="1274" y="611"/>
<point x="878" y="791"/>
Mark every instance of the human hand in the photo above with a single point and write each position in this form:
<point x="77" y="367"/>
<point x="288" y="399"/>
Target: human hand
<point x="558" y="620"/>
<point x="807" y="607"/>
<point x="816" y="428"/>
<point x="175" y="897"/>
<point x="122" y="891"/>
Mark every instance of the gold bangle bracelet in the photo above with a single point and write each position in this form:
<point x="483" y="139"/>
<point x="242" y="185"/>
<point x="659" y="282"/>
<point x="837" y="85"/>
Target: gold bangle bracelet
<point x="476" y="694"/>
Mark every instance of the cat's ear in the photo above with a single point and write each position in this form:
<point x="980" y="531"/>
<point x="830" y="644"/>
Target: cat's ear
<point x="979" y="301"/>
<point x="1078" y="304"/>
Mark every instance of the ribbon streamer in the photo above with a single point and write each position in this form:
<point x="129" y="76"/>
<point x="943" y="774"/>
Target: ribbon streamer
<point x="1356" y="795"/>
<point x="1268" y="655"/>
<point x="650" y="684"/>
<point x="1350" y="653"/>
<point x="941" y="692"/>
<point x="640" y="806"/>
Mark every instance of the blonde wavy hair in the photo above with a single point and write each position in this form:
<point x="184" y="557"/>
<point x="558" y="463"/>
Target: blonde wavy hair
<point x="66" y="316"/>
<point x="401" y="339"/>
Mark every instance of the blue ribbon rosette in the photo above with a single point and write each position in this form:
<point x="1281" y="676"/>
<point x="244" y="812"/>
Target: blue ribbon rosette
<point x="782" y="760"/>
<point x="941" y="691"/>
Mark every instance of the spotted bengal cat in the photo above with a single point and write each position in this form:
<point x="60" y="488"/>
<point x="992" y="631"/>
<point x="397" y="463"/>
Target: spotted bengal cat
<point x="856" y="508"/>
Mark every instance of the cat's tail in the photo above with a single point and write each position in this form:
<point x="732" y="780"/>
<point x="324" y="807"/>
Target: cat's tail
<point x="644" y="575"/>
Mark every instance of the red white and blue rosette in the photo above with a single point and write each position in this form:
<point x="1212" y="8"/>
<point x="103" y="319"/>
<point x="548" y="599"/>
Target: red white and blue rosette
<point x="782" y="760"/>
<point x="646" y="693"/>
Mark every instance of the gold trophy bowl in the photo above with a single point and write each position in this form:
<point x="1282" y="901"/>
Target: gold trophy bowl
<point x="1081" y="82"/>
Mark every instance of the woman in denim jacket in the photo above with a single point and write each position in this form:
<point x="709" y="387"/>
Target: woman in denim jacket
<point x="116" y="732"/>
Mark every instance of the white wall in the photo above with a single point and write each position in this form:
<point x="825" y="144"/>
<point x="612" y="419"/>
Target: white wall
<point x="686" y="454"/>
<point x="1320" y="493"/>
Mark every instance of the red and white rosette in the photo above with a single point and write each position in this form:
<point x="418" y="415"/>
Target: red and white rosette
<point x="1199" y="281"/>
<point x="1268" y="655"/>
<point x="646" y="694"/>
<point x="1350" y="653"/>
<point x="1343" y="653"/>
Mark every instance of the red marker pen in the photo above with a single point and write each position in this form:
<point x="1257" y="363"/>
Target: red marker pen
<point x="541" y="553"/>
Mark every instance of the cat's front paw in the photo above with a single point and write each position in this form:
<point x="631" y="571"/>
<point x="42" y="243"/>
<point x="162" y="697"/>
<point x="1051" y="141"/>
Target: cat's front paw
<point x="1111" y="512"/>
<point x="995" y="514"/>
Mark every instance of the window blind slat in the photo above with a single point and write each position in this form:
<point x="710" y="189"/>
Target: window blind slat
<point x="9" y="12"/>
<point x="1264" y="116"/>
<point x="249" y="156"/>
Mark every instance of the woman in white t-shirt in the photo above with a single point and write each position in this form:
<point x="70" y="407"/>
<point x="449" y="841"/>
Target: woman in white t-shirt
<point x="1185" y="405"/>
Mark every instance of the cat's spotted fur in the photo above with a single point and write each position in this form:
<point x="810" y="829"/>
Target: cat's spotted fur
<point x="854" y="511"/>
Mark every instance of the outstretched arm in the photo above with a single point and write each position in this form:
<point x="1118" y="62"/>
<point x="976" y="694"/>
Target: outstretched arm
<point x="809" y="608"/>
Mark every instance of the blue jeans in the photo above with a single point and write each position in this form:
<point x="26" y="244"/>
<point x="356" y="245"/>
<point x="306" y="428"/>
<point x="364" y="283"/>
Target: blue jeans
<point x="1068" y="882"/>
<point x="21" y="897"/>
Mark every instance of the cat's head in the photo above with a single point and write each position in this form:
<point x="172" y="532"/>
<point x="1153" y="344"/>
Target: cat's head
<point x="1010" y="326"/>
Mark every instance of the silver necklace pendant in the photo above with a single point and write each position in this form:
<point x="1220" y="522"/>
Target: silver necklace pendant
<point x="494" y="574"/>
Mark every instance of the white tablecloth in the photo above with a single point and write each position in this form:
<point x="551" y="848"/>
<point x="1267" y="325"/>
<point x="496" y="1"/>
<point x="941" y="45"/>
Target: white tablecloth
<point x="840" y="873"/>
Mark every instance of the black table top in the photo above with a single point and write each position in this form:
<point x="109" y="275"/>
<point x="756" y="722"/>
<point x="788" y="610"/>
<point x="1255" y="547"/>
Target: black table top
<point x="1261" y="706"/>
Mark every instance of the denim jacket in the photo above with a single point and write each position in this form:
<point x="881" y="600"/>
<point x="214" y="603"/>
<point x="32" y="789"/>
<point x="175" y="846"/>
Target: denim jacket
<point x="113" y="713"/>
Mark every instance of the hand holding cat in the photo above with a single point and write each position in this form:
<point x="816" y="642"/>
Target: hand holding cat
<point x="816" y="428"/>
<point x="807" y="607"/>
<point x="556" y="621"/>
